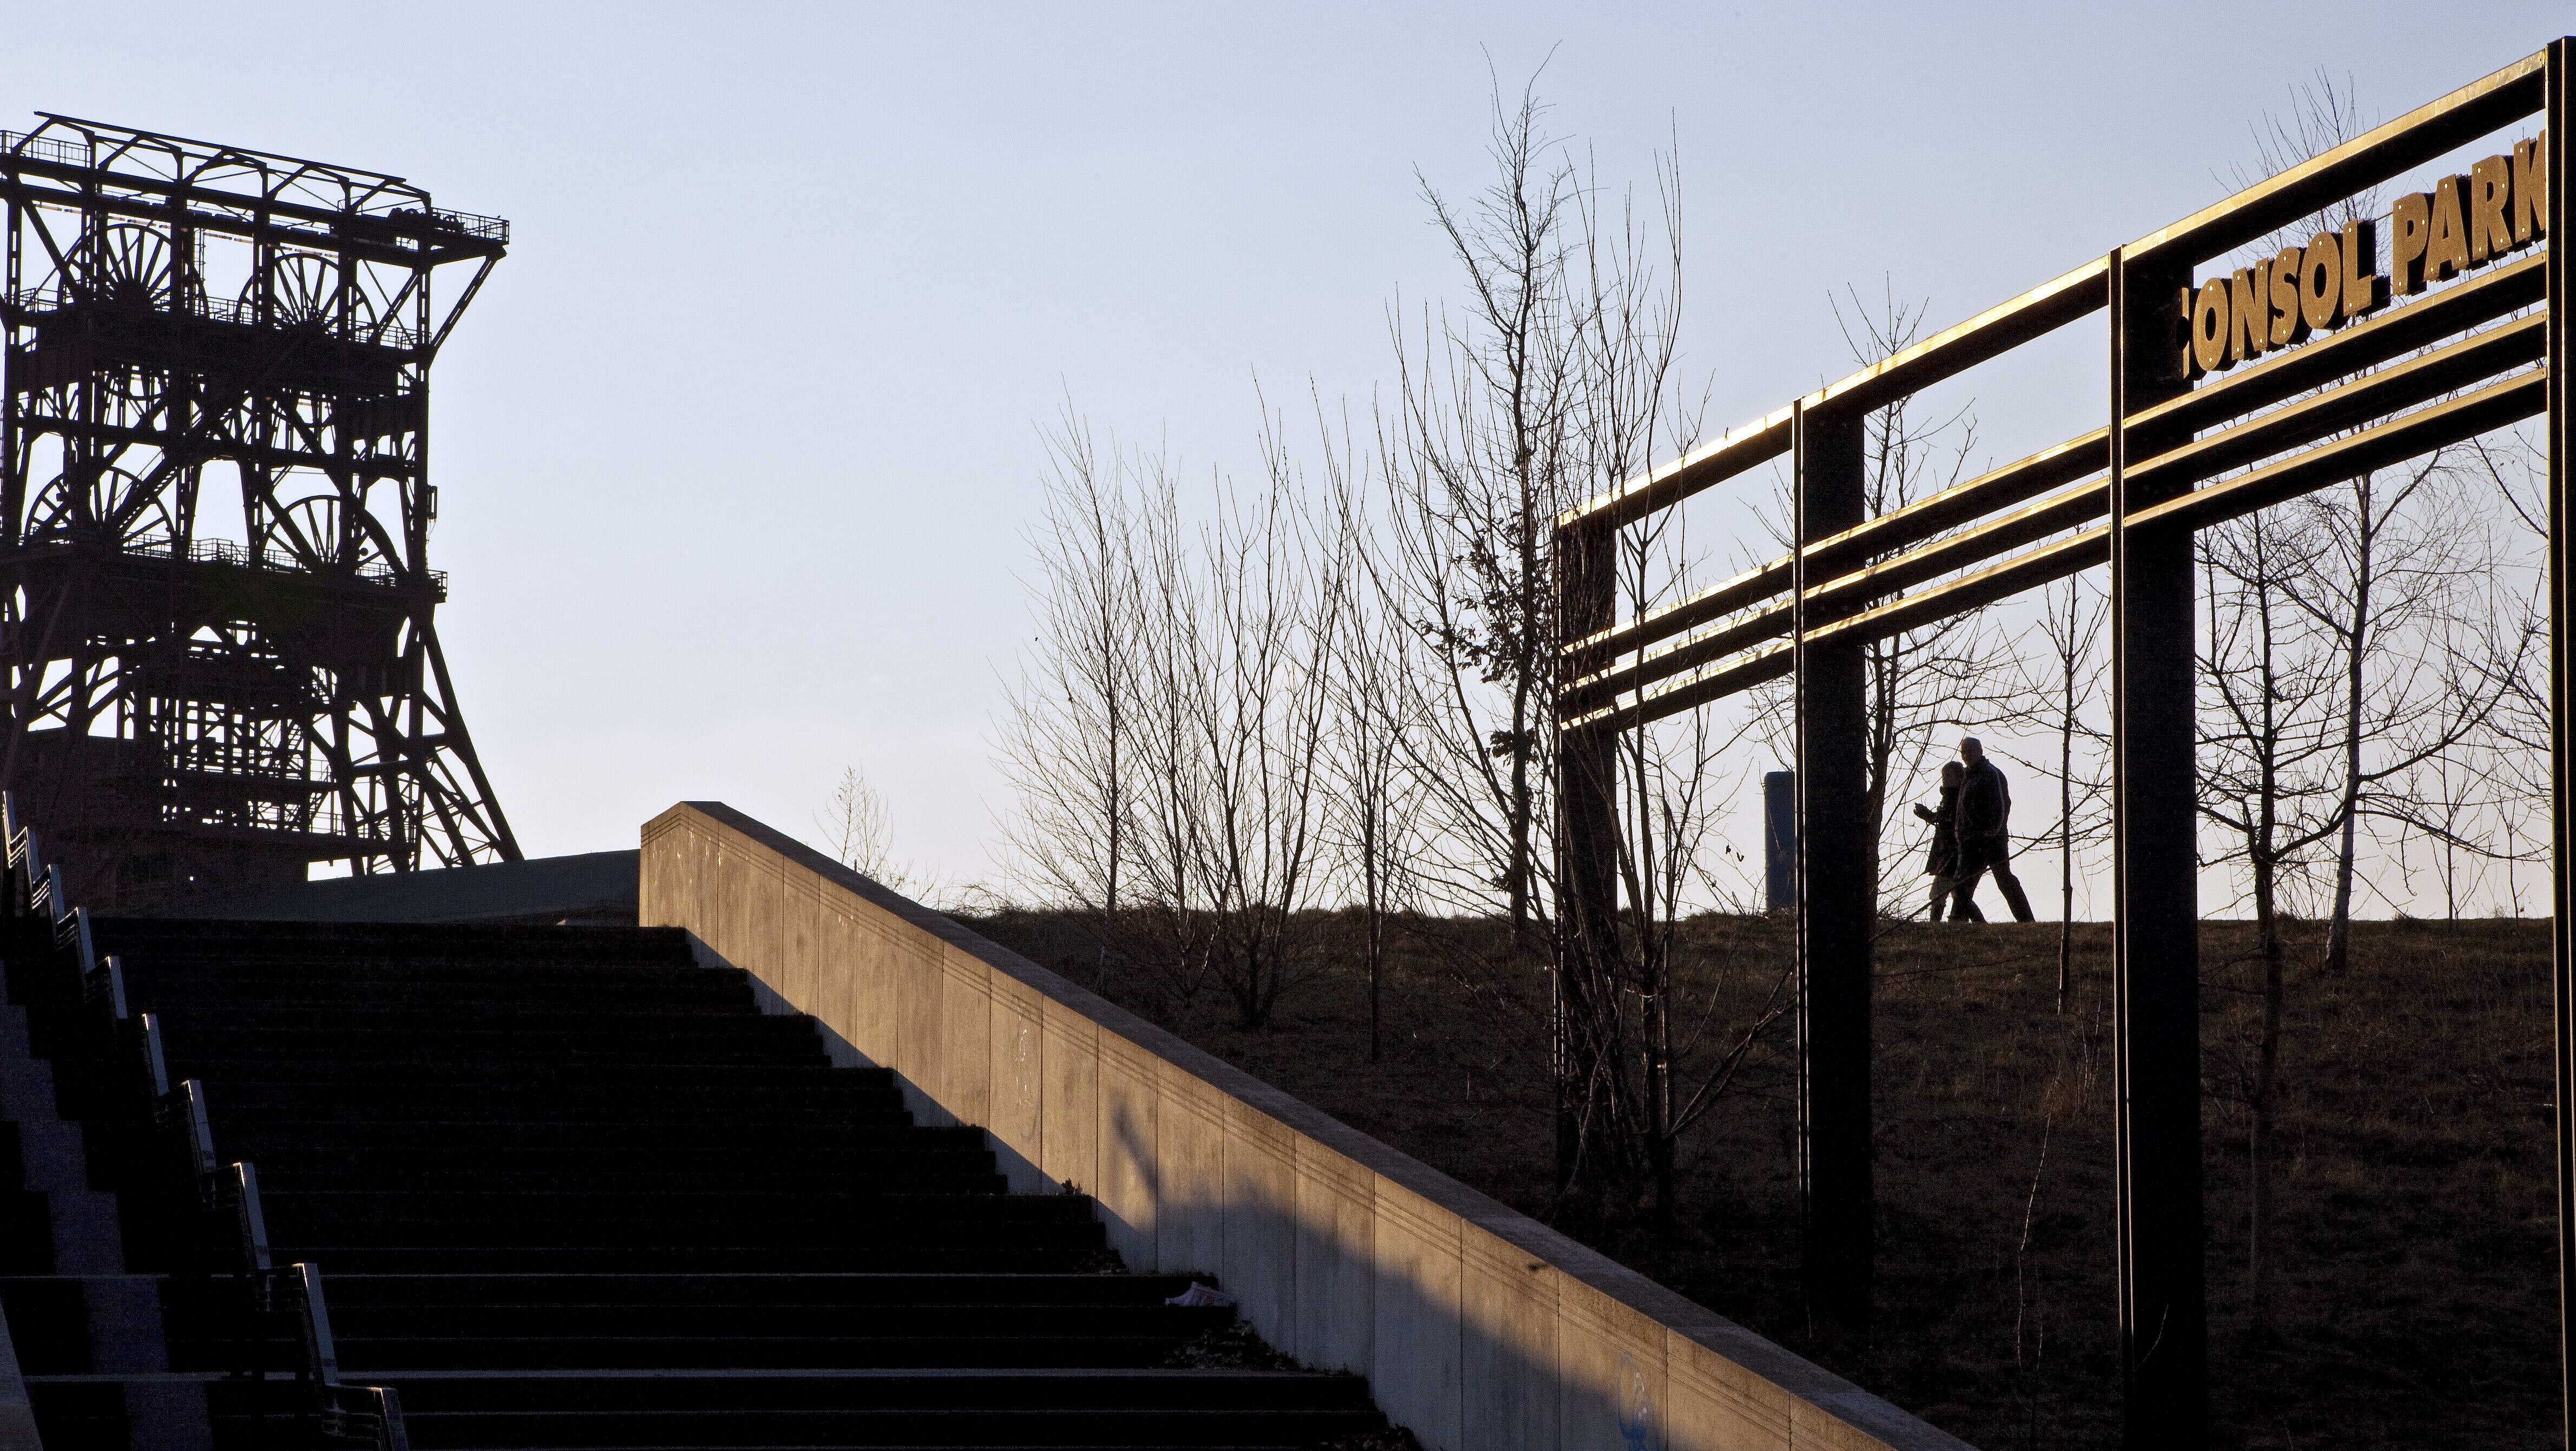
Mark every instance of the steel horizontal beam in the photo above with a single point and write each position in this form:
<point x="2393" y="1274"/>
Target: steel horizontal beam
<point x="1733" y="451"/>
<point x="1594" y="652"/>
<point x="1945" y="354"/>
<point x="2392" y="334"/>
<point x="2417" y="137"/>
<point x="1847" y="591"/>
<point x="1757" y="667"/>
<point x="195" y="447"/>
<point x="257" y="229"/>
<point x="2412" y="139"/>
<point x="2014" y="483"/>
<point x="129" y="140"/>
<point x="422" y="226"/>
<point x="2496" y="405"/>
<point x="2374" y="395"/>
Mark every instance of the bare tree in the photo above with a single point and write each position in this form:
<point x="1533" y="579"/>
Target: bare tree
<point x="2267" y="776"/>
<point x="1478" y="453"/>
<point x="2508" y="652"/>
<point x="1068" y="728"/>
<point x="1663" y="1054"/>
<point x="2396" y="586"/>
<point x="1666" y="1053"/>
<point x="2072" y="620"/>
<point x="2402" y="552"/>
<point x="1555" y="380"/>
<point x="1262" y="722"/>
<point x="1947" y="673"/>
<point x="854" y="825"/>
<point x="1479" y="457"/>
<point x="1167" y="748"/>
<point x="1173" y="919"/>
<point x="1373" y="797"/>
<point x="2337" y="684"/>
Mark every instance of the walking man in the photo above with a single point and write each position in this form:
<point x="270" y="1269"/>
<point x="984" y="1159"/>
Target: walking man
<point x="1985" y="833"/>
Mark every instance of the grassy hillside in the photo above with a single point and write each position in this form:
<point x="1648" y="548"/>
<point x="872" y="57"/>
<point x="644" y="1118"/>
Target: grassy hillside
<point x="2417" y="1292"/>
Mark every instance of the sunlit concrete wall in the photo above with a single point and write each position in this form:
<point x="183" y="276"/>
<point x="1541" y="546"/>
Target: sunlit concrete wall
<point x="1477" y="1327"/>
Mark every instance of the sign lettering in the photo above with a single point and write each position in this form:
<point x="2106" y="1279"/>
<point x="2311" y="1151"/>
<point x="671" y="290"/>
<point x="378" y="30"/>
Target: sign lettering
<point x="2499" y="207"/>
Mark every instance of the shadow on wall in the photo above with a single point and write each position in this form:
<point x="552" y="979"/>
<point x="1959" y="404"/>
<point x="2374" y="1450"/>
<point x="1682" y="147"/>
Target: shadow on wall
<point x="1476" y="1326"/>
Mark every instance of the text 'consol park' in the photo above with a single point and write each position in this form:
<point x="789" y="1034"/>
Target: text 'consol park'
<point x="2499" y="206"/>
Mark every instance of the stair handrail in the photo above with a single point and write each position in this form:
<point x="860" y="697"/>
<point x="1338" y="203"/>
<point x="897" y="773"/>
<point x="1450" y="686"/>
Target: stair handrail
<point x="369" y="1415"/>
<point x="21" y="850"/>
<point x="362" y="1416"/>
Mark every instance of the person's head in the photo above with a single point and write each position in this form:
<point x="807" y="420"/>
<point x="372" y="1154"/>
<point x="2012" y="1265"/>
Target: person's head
<point x="1951" y="771"/>
<point x="1971" y="750"/>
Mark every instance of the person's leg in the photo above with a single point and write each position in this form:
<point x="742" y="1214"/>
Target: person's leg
<point x="2010" y="886"/>
<point x="1940" y="898"/>
<point x="1964" y="910"/>
<point x="1963" y="896"/>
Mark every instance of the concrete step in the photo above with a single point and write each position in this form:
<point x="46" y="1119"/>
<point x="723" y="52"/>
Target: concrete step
<point x="881" y="1409"/>
<point x="579" y="1144"/>
<point x="570" y="1190"/>
<point x="851" y="1293"/>
<point x="1064" y="1250"/>
<point x="407" y="1073"/>
<point x="872" y="1178"/>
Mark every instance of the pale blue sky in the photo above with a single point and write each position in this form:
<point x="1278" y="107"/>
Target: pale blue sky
<point x="735" y="449"/>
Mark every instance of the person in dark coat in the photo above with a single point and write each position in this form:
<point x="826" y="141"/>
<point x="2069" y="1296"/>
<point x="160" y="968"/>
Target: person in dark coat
<point x="1985" y="831"/>
<point x="1942" y="861"/>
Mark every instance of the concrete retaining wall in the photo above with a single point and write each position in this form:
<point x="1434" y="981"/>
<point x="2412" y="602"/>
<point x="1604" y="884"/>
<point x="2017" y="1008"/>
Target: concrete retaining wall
<point x="1477" y="1327"/>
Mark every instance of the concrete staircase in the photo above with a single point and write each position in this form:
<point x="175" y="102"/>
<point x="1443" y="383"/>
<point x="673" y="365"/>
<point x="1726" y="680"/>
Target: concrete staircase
<point x="573" y="1190"/>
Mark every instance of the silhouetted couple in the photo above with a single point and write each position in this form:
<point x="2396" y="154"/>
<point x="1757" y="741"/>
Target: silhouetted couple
<point x="1971" y="836"/>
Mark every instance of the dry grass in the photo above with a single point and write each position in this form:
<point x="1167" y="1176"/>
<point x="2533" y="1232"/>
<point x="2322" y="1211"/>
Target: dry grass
<point x="2417" y="1291"/>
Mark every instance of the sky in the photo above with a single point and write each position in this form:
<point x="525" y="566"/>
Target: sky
<point x="737" y="450"/>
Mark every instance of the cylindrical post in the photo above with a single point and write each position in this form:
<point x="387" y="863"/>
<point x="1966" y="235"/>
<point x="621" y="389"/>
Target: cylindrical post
<point x="1837" y="902"/>
<point x="1780" y="841"/>
<point x="2155" y="962"/>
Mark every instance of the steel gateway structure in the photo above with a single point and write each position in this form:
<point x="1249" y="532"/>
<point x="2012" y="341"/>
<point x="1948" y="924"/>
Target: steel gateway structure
<point x="2228" y="393"/>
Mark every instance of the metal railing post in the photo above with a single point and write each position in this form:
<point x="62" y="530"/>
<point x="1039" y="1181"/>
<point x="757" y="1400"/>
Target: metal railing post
<point x="2155" y="955"/>
<point x="1837" y="905"/>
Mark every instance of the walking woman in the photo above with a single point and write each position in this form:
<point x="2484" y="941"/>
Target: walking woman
<point x="1942" y="862"/>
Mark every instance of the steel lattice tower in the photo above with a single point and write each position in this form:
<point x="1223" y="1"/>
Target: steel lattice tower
<point x="215" y="598"/>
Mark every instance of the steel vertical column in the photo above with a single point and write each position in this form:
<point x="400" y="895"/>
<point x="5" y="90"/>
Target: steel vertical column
<point x="1837" y="905"/>
<point x="1587" y="843"/>
<point x="2561" y="105"/>
<point x="2164" y="1356"/>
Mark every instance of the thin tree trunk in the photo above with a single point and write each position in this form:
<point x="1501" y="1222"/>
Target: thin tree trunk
<point x="2267" y="1052"/>
<point x="2261" y="1262"/>
<point x="2355" y="643"/>
<point x="1117" y="813"/>
<point x="2066" y="820"/>
<point x="1376" y="924"/>
<point x="1654" y="947"/>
